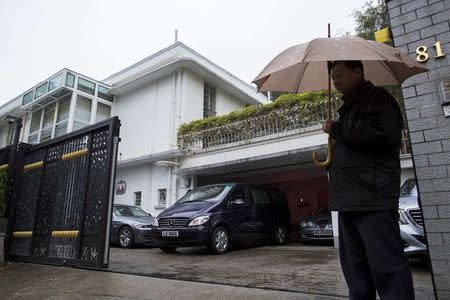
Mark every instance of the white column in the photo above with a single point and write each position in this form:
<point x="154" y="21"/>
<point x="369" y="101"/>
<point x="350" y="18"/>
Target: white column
<point x="335" y="221"/>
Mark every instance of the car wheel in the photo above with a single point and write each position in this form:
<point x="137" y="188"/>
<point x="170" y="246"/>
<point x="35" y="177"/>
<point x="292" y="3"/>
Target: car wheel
<point x="169" y="249"/>
<point x="126" y="237"/>
<point x="220" y="240"/>
<point x="280" y="235"/>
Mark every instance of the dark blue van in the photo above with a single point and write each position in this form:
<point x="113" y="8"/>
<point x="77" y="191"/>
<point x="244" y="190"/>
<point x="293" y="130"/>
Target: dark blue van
<point x="220" y="215"/>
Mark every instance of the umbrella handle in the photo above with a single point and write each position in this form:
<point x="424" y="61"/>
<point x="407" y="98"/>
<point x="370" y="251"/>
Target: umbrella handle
<point x="323" y="164"/>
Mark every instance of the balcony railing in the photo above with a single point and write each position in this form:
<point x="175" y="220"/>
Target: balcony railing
<point x="276" y="124"/>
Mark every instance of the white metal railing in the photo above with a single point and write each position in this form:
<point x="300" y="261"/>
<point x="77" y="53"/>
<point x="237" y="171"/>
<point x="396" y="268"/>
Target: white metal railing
<point x="277" y="123"/>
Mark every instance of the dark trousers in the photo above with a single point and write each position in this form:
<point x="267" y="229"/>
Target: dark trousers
<point x="372" y="256"/>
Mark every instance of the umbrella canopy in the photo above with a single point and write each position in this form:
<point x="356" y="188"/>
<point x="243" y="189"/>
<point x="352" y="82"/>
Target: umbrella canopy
<point x="303" y="68"/>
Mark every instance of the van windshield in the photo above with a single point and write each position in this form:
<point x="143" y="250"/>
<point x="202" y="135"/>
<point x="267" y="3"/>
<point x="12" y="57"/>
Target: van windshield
<point x="212" y="193"/>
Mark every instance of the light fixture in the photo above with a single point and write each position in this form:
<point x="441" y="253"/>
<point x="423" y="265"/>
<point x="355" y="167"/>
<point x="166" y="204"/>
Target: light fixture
<point x="11" y="119"/>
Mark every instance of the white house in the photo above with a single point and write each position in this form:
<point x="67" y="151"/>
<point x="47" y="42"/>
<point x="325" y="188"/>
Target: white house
<point x="152" y="98"/>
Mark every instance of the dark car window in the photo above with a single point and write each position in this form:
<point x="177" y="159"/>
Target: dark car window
<point x="129" y="211"/>
<point x="260" y="196"/>
<point x="238" y="193"/>
<point x="212" y="193"/>
<point x="409" y="188"/>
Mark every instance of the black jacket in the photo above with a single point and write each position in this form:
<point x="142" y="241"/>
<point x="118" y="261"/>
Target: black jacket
<point x="364" y="174"/>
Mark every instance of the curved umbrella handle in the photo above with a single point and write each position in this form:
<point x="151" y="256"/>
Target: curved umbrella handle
<point x="323" y="164"/>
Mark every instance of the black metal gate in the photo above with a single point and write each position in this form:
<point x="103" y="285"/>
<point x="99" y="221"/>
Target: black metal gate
<point x="61" y="197"/>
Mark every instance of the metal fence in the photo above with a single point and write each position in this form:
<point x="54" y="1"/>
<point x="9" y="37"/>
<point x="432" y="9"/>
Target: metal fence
<point x="278" y="123"/>
<point x="61" y="200"/>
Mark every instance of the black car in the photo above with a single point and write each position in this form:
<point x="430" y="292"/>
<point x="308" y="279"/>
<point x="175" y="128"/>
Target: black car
<point x="220" y="215"/>
<point x="131" y="225"/>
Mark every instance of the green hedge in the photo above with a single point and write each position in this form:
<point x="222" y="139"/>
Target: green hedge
<point x="282" y="102"/>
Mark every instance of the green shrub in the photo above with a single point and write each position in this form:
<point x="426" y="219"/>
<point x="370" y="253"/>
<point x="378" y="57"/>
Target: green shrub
<point x="284" y="101"/>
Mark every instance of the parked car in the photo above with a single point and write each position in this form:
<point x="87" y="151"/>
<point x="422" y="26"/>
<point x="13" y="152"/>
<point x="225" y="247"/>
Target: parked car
<point x="317" y="228"/>
<point x="220" y="215"/>
<point x="131" y="225"/>
<point x="411" y="220"/>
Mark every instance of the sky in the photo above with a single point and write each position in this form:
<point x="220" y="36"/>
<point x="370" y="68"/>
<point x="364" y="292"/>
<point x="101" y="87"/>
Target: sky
<point x="98" y="38"/>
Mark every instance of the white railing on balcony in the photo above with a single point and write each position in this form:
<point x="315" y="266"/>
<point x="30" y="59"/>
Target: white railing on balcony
<point x="278" y="123"/>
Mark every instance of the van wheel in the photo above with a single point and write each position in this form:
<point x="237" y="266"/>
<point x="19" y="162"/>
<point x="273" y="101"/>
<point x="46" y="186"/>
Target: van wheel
<point x="169" y="249"/>
<point x="280" y="235"/>
<point x="220" y="240"/>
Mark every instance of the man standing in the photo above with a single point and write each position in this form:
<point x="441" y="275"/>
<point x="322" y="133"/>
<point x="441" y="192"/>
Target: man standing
<point x="364" y="186"/>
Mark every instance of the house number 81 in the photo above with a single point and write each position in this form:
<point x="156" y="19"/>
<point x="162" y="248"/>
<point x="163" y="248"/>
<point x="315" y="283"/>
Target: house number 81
<point x="422" y="54"/>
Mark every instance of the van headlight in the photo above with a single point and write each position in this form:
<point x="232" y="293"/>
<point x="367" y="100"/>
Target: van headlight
<point x="303" y="224"/>
<point x="199" y="221"/>
<point x="155" y="222"/>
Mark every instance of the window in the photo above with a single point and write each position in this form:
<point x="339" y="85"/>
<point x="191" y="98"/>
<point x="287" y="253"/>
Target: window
<point x="162" y="197"/>
<point x="41" y="90"/>
<point x="104" y="93"/>
<point x="55" y="82"/>
<point x="35" y="126"/>
<point x="63" y="116"/>
<point x="238" y="194"/>
<point x="260" y="196"/>
<point x="70" y="80"/>
<point x="82" y="112"/>
<point x="209" y="100"/>
<point x="28" y="97"/>
<point x="137" y="198"/>
<point x="129" y="211"/>
<point x="47" y="124"/>
<point x="86" y="86"/>
<point x="103" y="112"/>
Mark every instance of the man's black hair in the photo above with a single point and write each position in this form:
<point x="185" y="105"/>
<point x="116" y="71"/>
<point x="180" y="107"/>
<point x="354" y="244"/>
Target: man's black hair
<point x="351" y="64"/>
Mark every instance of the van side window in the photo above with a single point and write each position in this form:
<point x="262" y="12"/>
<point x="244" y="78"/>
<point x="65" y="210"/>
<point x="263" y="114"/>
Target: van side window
<point x="260" y="196"/>
<point x="238" y="194"/>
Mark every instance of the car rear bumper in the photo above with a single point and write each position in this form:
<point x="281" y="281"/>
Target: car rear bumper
<point x="187" y="236"/>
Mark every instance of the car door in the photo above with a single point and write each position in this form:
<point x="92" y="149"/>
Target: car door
<point x="264" y="220"/>
<point x="238" y="215"/>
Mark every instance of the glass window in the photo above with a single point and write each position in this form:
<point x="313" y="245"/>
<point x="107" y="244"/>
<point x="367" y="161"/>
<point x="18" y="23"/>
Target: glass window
<point x="55" y="82"/>
<point x="28" y="97"/>
<point x="49" y="113"/>
<point x="41" y="90"/>
<point x="33" y="138"/>
<point x="46" y="134"/>
<point x="35" y="121"/>
<point x="260" y="196"/>
<point x="129" y="211"/>
<point x="103" y="112"/>
<point x="211" y="193"/>
<point x="61" y="128"/>
<point x="162" y="197"/>
<point x="137" y="198"/>
<point x="86" y="86"/>
<point x="209" y="100"/>
<point x="70" y="80"/>
<point x="78" y="125"/>
<point x="10" y="135"/>
<point x="63" y="109"/>
<point x="238" y="194"/>
<point x="104" y="93"/>
<point x="83" y="109"/>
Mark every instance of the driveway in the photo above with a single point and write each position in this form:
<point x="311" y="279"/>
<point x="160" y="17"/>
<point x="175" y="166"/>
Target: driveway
<point x="298" y="268"/>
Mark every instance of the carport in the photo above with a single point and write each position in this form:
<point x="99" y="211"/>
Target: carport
<point x="293" y="172"/>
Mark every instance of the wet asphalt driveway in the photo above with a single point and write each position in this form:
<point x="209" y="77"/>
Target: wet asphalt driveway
<point x="306" y="269"/>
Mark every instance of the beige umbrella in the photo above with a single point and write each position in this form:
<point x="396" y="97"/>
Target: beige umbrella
<point x="301" y="68"/>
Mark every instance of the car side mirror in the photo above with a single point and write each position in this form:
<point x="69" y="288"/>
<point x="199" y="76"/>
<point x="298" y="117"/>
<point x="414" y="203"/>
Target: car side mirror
<point x="237" y="202"/>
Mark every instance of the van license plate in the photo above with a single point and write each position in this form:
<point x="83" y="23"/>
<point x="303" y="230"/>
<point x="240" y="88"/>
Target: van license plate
<point x="323" y="232"/>
<point x="170" y="233"/>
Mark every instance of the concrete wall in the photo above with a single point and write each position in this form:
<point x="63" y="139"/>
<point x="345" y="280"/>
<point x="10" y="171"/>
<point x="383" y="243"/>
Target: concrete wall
<point x="423" y="23"/>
